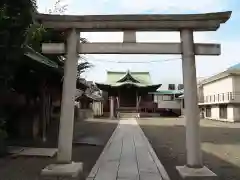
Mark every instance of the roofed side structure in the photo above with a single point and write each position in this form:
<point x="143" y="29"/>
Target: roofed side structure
<point x="168" y="92"/>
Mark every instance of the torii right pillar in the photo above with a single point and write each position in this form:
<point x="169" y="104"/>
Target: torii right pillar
<point x="194" y="168"/>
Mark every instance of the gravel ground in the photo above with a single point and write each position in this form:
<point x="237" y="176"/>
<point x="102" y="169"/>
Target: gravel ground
<point x="220" y="145"/>
<point x="28" y="168"/>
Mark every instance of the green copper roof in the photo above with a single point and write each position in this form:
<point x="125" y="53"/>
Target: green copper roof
<point x="129" y="83"/>
<point x="136" y="77"/>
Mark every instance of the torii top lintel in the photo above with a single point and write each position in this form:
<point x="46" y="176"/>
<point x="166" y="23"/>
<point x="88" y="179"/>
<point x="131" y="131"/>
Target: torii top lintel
<point x="158" y="22"/>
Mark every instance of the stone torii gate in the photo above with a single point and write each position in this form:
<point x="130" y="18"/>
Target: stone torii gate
<point x="129" y="24"/>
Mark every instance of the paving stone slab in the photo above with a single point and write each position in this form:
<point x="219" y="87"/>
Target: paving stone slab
<point x="108" y="171"/>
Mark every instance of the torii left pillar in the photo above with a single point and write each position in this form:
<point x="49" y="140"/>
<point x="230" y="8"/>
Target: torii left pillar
<point x="64" y="166"/>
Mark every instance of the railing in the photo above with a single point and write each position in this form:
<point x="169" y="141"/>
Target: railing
<point x="228" y="97"/>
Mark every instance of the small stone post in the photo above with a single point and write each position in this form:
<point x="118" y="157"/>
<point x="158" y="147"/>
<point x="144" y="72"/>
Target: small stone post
<point x="112" y="107"/>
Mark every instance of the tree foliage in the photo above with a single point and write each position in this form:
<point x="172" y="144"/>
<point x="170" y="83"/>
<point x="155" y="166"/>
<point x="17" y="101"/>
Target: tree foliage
<point x="15" y="18"/>
<point x="58" y="8"/>
<point x="82" y="67"/>
<point x="50" y="35"/>
<point x="18" y="29"/>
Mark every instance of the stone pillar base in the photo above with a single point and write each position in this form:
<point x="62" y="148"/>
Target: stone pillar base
<point x="196" y="173"/>
<point x="70" y="171"/>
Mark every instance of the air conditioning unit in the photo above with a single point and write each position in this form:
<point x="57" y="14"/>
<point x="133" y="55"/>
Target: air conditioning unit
<point x="180" y="86"/>
<point x="171" y="87"/>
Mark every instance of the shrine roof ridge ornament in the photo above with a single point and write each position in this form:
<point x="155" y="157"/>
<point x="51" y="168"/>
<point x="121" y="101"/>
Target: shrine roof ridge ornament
<point x="138" y="22"/>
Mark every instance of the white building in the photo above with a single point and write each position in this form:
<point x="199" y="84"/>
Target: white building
<point x="181" y="98"/>
<point x="219" y="96"/>
<point x="167" y="100"/>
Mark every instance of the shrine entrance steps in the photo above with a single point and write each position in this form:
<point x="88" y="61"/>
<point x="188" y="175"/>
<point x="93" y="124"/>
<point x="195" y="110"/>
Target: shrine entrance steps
<point x="127" y="112"/>
<point x="124" y="115"/>
<point x="128" y="156"/>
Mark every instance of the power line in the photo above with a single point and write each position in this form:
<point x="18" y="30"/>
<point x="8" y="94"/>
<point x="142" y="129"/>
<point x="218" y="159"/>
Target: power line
<point x="131" y="62"/>
<point x="156" y="61"/>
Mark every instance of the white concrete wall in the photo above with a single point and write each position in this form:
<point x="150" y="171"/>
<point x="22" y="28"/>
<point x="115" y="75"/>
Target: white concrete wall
<point x="233" y="113"/>
<point x="220" y="86"/>
<point x="169" y="104"/>
<point x="236" y="83"/>
<point x="236" y="113"/>
<point x="215" y="112"/>
<point x="230" y="113"/>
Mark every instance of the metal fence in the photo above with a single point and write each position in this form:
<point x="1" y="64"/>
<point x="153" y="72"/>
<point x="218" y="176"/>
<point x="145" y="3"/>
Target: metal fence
<point x="221" y="97"/>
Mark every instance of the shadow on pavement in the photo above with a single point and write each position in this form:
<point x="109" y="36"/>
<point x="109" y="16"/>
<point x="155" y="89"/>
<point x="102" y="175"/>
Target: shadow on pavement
<point x="28" y="168"/>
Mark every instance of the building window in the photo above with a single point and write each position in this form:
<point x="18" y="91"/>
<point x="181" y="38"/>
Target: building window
<point x="208" y="111"/>
<point x="223" y="111"/>
<point x="231" y="96"/>
<point x="168" y="98"/>
<point x="220" y="97"/>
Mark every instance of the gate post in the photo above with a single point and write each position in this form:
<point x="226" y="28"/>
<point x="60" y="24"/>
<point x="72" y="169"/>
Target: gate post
<point x="194" y="168"/>
<point x="68" y="98"/>
<point x="193" y="146"/>
<point x="112" y="107"/>
<point x="64" y="166"/>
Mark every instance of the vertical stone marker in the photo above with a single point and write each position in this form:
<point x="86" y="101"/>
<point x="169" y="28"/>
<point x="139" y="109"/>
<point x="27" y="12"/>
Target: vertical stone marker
<point x="112" y="116"/>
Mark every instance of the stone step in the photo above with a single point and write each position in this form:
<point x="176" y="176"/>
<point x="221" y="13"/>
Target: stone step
<point x="127" y="109"/>
<point x="128" y="115"/>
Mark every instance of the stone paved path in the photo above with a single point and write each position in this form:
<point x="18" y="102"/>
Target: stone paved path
<point x="128" y="156"/>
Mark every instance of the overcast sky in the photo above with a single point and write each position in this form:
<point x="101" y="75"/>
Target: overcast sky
<point x="165" y="71"/>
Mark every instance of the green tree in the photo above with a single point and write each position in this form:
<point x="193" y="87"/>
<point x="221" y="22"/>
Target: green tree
<point x="50" y="35"/>
<point x="15" y="18"/>
<point x="18" y="29"/>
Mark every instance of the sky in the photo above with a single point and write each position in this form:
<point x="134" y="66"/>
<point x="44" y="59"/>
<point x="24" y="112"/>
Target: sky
<point x="168" y="69"/>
